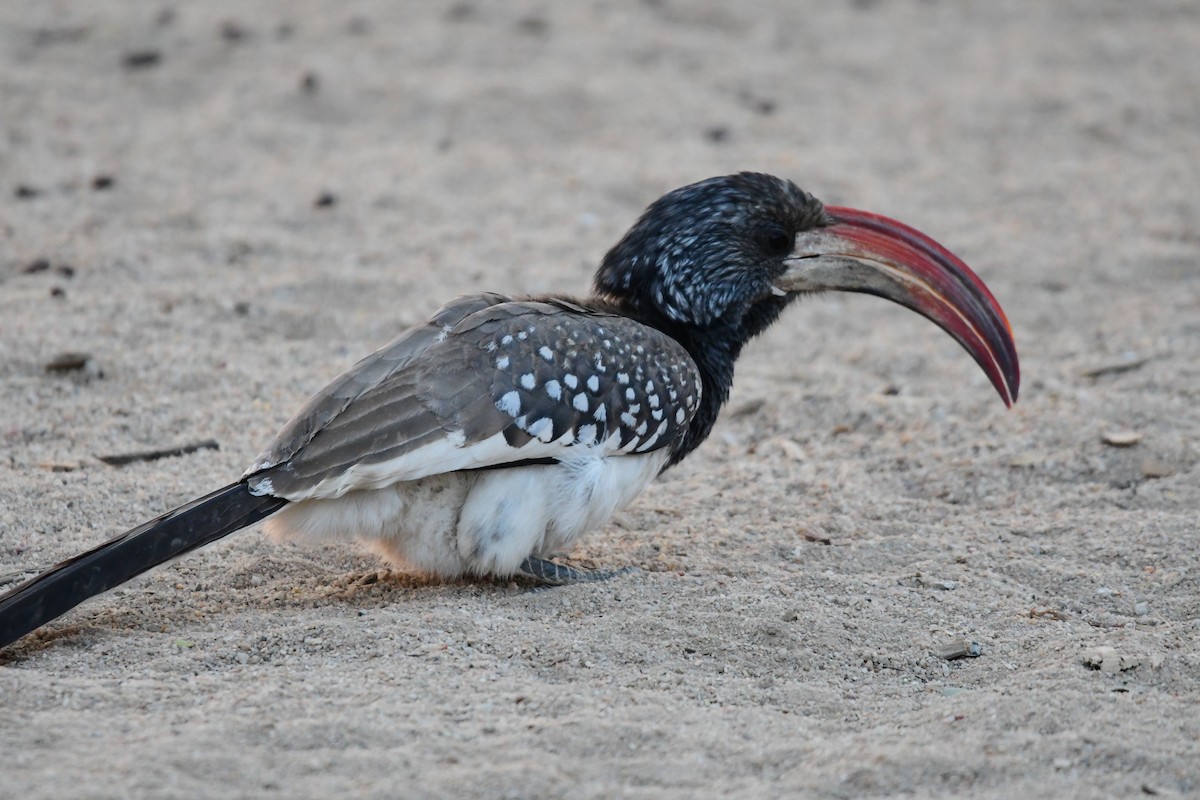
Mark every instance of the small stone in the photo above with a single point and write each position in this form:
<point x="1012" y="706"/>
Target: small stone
<point x="1106" y="659"/>
<point x="717" y="134"/>
<point x="1126" y="363"/>
<point x="1154" y="468"/>
<point x="960" y="648"/>
<point x="231" y="31"/>
<point x="68" y="362"/>
<point x="926" y="582"/>
<point x="1122" y="438"/>
<point x="141" y="59"/>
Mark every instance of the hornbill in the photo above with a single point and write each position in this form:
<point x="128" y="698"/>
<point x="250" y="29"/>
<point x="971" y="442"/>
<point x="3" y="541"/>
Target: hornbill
<point x="494" y="435"/>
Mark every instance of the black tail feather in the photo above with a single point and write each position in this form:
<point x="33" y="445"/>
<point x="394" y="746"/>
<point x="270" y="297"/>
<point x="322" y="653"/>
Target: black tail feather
<point x="66" y="585"/>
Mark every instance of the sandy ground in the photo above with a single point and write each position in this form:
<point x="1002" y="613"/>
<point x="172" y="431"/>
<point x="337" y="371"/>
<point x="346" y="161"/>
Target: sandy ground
<point x="864" y="500"/>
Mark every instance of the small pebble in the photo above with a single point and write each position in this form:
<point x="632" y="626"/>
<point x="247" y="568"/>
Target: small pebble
<point x="1106" y="659"/>
<point x="717" y="134"/>
<point x="232" y="32"/>
<point x="960" y="648"/>
<point x="1122" y="438"/>
<point x="141" y="59"/>
<point x="1154" y="468"/>
<point x="68" y="362"/>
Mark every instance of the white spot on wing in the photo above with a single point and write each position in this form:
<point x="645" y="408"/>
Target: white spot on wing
<point x="622" y="378"/>
<point x="571" y="381"/>
<point x="601" y="413"/>
<point x="593" y="383"/>
<point x="546" y="353"/>
<point x="554" y="390"/>
<point x="543" y="429"/>
<point x="680" y="416"/>
<point x="510" y="403"/>
<point x="654" y="437"/>
<point x="528" y="381"/>
<point x="502" y="362"/>
<point x="580" y="403"/>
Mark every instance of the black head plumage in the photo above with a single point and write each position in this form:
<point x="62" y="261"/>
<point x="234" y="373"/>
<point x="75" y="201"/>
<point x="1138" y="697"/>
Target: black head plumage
<point x="705" y="254"/>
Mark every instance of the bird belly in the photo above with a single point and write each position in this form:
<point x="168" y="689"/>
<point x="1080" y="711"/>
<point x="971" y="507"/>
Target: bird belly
<point x="413" y="524"/>
<point x="478" y="522"/>
<point x="590" y="488"/>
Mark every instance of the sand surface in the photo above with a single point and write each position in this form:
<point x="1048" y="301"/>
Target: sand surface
<point x="864" y="500"/>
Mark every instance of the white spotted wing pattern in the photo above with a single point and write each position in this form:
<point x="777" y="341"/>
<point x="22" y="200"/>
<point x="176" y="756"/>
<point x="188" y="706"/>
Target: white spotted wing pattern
<point x="488" y="382"/>
<point x="584" y="379"/>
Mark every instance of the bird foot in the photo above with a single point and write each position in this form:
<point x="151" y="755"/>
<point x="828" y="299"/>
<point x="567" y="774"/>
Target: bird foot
<point x="549" y="573"/>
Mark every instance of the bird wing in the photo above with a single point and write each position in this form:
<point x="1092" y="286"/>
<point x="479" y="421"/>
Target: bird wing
<point x="488" y="381"/>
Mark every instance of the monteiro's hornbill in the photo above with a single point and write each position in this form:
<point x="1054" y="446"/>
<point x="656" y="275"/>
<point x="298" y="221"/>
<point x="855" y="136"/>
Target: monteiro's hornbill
<point x="497" y="433"/>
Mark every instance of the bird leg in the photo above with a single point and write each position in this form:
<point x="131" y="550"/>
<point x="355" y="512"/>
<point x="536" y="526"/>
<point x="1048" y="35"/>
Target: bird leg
<point x="549" y="573"/>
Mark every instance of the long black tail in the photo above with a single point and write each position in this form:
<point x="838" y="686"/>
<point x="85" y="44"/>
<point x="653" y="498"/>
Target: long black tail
<point x="64" y="586"/>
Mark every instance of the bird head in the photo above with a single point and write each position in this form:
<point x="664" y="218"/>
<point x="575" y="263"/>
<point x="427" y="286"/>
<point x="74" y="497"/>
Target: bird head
<point x="730" y="253"/>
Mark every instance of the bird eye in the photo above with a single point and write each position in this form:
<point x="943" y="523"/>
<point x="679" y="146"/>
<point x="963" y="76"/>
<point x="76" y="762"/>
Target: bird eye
<point x="777" y="241"/>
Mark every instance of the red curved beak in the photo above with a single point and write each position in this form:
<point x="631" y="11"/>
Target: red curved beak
<point x="864" y="252"/>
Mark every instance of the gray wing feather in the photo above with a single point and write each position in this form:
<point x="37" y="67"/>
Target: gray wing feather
<point x="484" y="383"/>
<point x="369" y="374"/>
